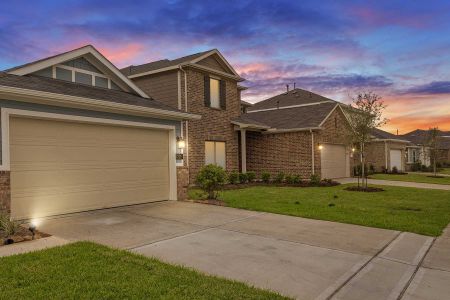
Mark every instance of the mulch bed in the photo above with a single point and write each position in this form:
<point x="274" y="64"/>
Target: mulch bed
<point x="22" y="235"/>
<point x="369" y="189"/>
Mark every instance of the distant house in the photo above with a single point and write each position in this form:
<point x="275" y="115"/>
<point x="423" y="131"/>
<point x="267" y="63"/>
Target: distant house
<point x="417" y="149"/>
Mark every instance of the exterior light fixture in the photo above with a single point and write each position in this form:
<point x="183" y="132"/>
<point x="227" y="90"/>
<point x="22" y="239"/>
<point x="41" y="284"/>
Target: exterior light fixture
<point x="32" y="229"/>
<point x="320" y="146"/>
<point x="181" y="144"/>
<point x="353" y="149"/>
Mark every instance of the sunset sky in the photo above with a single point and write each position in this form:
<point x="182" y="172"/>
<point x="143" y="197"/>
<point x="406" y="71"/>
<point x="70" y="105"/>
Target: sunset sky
<point x="398" y="49"/>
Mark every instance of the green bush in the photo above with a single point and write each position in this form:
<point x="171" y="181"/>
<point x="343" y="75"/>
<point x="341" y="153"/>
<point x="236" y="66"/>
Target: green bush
<point x="394" y="170"/>
<point x="314" y="179"/>
<point x="251" y="176"/>
<point x="296" y="179"/>
<point x="289" y="179"/>
<point x="243" y="178"/>
<point x="265" y="177"/>
<point x="8" y="227"/>
<point x="279" y="178"/>
<point x="211" y="179"/>
<point x="233" y="177"/>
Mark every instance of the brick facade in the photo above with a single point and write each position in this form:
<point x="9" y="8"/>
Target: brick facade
<point x="5" y="191"/>
<point x="182" y="183"/>
<point x="378" y="154"/>
<point x="215" y="124"/>
<point x="290" y="152"/>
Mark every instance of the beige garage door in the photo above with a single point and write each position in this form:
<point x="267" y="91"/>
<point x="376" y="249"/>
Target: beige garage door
<point x="396" y="159"/>
<point x="334" y="161"/>
<point x="61" y="167"/>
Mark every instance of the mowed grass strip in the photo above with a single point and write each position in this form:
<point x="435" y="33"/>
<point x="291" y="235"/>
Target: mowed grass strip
<point x="86" y="270"/>
<point x="423" y="178"/>
<point x="406" y="209"/>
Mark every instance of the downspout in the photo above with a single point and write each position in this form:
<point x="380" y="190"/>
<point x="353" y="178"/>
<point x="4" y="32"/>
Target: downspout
<point x="186" y="109"/>
<point x="386" y="155"/>
<point x="312" y="152"/>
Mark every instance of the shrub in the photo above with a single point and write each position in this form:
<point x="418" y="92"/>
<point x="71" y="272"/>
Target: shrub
<point x="211" y="179"/>
<point x="394" y="170"/>
<point x="314" y="179"/>
<point x="371" y="169"/>
<point x="296" y="179"/>
<point x="384" y="170"/>
<point x="289" y="179"/>
<point x="251" y="176"/>
<point x="416" y="167"/>
<point x="8" y="226"/>
<point x="265" y="177"/>
<point x="243" y="177"/>
<point x="233" y="177"/>
<point x="279" y="178"/>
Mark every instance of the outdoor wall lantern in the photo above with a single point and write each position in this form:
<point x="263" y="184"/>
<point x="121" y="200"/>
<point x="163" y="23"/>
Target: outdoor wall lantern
<point x="181" y="144"/>
<point x="320" y="146"/>
<point x="353" y="149"/>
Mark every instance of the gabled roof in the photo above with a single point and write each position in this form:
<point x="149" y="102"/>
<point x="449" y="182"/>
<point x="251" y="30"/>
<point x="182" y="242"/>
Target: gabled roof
<point x="419" y="137"/>
<point x="289" y="99"/>
<point x="91" y="54"/>
<point x="384" y="135"/>
<point x="189" y="60"/>
<point x="58" y="89"/>
<point x="295" y="118"/>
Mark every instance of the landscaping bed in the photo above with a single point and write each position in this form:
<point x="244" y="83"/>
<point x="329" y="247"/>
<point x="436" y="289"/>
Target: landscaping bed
<point x="86" y="270"/>
<point x="23" y="234"/>
<point x="422" y="211"/>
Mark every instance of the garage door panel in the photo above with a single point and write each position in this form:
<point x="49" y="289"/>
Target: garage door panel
<point x="334" y="161"/>
<point x="62" y="167"/>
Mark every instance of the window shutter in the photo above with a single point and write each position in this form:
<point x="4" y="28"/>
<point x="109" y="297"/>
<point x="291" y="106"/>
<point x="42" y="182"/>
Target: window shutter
<point x="223" y="93"/>
<point x="207" y="92"/>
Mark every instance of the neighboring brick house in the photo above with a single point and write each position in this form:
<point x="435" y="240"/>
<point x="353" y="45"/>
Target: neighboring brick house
<point x="386" y="151"/>
<point x="204" y="84"/>
<point x="418" y="151"/>
<point x="297" y="132"/>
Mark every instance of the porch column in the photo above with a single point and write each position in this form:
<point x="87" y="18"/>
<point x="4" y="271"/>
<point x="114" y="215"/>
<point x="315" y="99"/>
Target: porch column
<point x="243" y="151"/>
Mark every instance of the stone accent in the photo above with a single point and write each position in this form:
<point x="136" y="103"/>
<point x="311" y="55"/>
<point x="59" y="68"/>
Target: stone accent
<point x="182" y="183"/>
<point x="5" y="191"/>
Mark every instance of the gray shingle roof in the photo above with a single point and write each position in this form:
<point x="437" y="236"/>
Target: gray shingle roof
<point x="290" y="118"/>
<point x="164" y="63"/>
<point x="381" y="134"/>
<point x="419" y="137"/>
<point x="74" y="89"/>
<point x="293" y="97"/>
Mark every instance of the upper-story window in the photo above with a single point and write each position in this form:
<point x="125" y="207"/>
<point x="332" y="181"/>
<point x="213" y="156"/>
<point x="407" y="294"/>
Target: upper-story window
<point x="81" y="71"/>
<point x="215" y="93"/>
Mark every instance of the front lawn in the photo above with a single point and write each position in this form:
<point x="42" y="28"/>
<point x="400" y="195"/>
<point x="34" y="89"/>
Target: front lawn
<point x="86" y="270"/>
<point x="399" y="208"/>
<point x="445" y="171"/>
<point x="424" y="178"/>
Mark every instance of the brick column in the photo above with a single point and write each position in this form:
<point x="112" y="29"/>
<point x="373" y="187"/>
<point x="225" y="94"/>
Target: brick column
<point x="5" y="191"/>
<point x="182" y="183"/>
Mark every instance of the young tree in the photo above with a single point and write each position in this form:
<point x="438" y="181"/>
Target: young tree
<point x="432" y="142"/>
<point x="365" y="114"/>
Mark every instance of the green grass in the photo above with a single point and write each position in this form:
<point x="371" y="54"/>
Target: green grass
<point x="412" y="178"/>
<point x="445" y="171"/>
<point x="399" y="208"/>
<point x="86" y="270"/>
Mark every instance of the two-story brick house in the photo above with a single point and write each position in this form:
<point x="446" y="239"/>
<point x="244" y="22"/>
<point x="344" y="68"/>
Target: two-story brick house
<point x="204" y="84"/>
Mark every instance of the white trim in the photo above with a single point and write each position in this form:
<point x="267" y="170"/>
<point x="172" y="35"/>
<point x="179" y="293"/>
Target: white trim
<point x="33" y="96"/>
<point x="286" y="107"/>
<point x="179" y="88"/>
<point x="391" y="140"/>
<point x="329" y="114"/>
<point x="243" y="151"/>
<point x="248" y="126"/>
<point x="215" y="51"/>
<point x="36" y="66"/>
<point x="269" y="131"/>
<point x="6" y="113"/>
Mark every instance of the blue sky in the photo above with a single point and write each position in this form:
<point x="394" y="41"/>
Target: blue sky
<point x="399" y="49"/>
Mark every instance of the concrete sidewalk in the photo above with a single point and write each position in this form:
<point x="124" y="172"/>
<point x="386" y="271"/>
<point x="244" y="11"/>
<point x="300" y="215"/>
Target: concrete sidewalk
<point x="297" y="257"/>
<point x="398" y="183"/>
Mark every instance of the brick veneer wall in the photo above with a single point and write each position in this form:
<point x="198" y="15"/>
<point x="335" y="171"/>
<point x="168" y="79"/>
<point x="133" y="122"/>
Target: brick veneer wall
<point x="375" y="154"/>
<point x="279" y="152"/>
<point x="215" y="124"/>
<point x="182" y="183"/>
<point x="5" y="191"/>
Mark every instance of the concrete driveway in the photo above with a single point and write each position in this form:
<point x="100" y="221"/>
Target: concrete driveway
<point x="301" y="258"/>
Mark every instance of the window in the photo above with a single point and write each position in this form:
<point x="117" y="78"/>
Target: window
<point x="413" y="155"/>
<point x="214" y="92"/>
<point x="215" y="153"/>
<point x="83" y="78"/>
<point x="63" y="74"/>
<point x="101" y="82"/>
